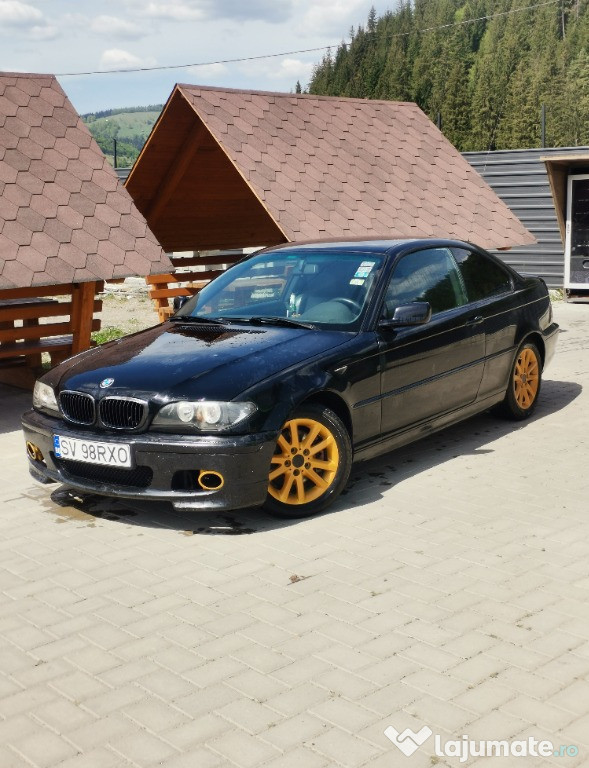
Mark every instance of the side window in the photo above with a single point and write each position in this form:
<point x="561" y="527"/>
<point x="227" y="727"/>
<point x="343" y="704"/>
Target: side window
<point x="482" y="277"/>
<point x="429" y="275"/>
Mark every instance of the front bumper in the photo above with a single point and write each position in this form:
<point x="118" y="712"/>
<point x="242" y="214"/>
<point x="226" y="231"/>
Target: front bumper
<point x="166" y="467"/>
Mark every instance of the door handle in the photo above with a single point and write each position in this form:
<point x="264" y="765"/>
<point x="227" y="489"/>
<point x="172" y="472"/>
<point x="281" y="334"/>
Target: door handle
<point x="475" y="320"/>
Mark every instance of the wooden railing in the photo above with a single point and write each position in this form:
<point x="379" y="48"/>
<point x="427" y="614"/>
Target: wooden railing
<point x="191" y="274"/>
<point x="53" y="319"/>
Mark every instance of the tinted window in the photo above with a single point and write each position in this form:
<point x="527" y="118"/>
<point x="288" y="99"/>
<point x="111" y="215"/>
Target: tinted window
<point x="482" y="276"/>
<point x="430" y="275"/>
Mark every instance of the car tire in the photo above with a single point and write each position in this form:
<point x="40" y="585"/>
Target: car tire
<point x="524" y="385"/>
<point x="311" y="464"/>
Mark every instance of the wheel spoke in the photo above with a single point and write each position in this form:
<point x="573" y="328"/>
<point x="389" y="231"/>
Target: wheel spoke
<point x="294" y="434"/>
<point x="326" y="443"/>
<point x="283" y="444"/>
<point x="318" y="481"/>
<point x="281" y="470"/>
<point x="330" y="466"/>
<point x="285" y="490"/>
<point x="308" y="440"/>
<point x="300" y="489"/>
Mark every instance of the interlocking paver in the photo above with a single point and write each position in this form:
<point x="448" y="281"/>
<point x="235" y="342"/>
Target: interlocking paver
<point x="242" y="749"/>
<point x="212" y="699"/>
<point x="300" y="757"/>
<point x="448" y="588"/>
<point x="43" y="748"/>
<point x="63" y="716"/>
<point x="203" y="758"/>
<point x="250" y="715"/>
<point x="16" y="728"/>
<point x="142" y="748"/>
<point x="298" y="699"/>
<point x="95" y="758"/>
<point x="342" y="748"/>
<point x="290" y="732"/>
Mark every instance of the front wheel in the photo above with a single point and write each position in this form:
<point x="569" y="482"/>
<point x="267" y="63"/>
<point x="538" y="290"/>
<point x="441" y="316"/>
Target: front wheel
<point x="311" y="464"/>
<point x="524" y="383"/>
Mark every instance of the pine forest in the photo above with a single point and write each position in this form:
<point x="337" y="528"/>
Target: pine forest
<point x="482" y="69"/>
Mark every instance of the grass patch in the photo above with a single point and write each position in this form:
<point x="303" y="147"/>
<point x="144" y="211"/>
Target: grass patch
<point x="110" y="333"/>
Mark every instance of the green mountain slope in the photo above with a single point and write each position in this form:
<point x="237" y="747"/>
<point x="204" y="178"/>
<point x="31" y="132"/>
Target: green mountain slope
<point x="483" y="67"/>
<point x="130" y="127"/>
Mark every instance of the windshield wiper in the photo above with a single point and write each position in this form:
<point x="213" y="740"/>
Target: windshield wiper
<point x="196" y="319"/>
<point x="268" y="320"/>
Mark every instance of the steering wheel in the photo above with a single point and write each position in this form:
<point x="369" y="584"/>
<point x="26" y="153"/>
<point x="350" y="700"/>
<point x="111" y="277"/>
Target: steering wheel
<point x="350" y="303"/>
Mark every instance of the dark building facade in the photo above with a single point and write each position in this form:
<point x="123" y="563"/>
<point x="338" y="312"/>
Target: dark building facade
<point x="519" y="177"/>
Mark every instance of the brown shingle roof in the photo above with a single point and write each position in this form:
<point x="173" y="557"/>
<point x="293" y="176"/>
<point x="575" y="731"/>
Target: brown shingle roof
<point x="60" y="201"/>
<point x="317" y="167"/>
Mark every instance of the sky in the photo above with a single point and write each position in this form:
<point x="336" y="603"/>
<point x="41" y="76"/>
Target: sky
<point x="76" y="36"/>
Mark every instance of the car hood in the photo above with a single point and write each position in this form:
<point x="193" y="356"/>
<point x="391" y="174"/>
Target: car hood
<point x="195" y="361"/>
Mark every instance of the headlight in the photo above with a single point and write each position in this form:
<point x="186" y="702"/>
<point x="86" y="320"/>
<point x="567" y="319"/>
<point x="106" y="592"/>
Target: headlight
<point x="205" y="415"/>
<point x="44" y="398"/>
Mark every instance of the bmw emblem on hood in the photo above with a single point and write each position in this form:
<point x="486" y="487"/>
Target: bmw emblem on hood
<point x="106" y="383"/>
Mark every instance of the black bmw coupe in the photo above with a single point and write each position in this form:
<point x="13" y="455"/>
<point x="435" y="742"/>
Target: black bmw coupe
<point x="267" y="385"/>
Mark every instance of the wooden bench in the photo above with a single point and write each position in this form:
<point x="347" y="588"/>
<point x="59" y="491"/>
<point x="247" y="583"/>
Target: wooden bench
<point x="53" y="319"/>
<point x="191" y="274"/>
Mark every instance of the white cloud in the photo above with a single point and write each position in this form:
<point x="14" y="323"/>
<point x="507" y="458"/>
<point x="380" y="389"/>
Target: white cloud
<point x="208" y="71"/>
<point x="271" y="11"/>
<point x="334" y="16"/>
<point x="116" y="27"/>
<point x="17" y="14"/>
<point x="287" y="70"/>
<point x="74" y="20"/>
<point x="115" y="58"/>
<point x="43" y="33"/>
<point x="174" y="11"/>
<point x="295" y="69"/>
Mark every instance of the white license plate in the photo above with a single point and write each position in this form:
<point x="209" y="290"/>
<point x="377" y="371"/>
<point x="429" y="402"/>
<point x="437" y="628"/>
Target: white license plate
<point x="92" y="452"/>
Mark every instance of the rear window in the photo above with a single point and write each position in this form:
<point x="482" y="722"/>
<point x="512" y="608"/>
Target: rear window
<point x="482" y="276"/>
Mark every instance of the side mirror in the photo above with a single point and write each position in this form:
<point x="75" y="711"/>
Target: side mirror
<point x="416" y="313"/>
<point x="179" y="301"/>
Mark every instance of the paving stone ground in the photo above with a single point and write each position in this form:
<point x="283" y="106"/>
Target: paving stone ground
<point x="448" y="588"/>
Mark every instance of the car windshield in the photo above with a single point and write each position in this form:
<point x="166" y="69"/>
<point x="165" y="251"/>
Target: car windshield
<point x="310" y="288"/>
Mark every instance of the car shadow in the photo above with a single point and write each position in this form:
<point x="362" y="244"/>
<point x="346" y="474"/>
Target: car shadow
<point x="368" y="482"/>
<point x="69" y="504"/>
<point x="370" y="479"/>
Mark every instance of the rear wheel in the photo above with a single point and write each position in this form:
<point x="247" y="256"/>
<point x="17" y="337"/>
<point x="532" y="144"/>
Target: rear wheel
<point x="311" y="463"/>
<point x="524" y="383"/>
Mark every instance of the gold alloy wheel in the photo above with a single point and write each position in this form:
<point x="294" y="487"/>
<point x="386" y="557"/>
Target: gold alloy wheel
<point x="305" y="462"/>
<point x="526" y="378"/>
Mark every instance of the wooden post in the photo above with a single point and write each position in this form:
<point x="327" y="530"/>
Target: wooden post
<point x="82" y="315"/>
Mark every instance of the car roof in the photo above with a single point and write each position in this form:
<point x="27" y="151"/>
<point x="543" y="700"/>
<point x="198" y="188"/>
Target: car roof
<point x="367" y="245"/>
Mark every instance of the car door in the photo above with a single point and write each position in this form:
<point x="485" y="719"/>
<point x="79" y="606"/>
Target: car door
<point x="435" y="368"/>
<point x="490" y="290"/>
